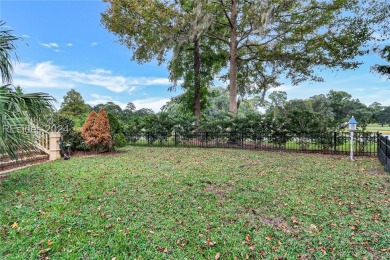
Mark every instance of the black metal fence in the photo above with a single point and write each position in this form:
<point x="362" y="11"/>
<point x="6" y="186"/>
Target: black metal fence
<point x="384" y="151"/>
<point x="365" y="143"/>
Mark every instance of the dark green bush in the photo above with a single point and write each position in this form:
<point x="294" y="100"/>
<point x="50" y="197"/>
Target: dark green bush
<point x="65" y="125"/>
<point x="119" y="140"/>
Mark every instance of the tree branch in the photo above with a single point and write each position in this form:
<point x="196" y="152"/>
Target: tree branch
<point x="217" y="38"/>
<point x="226" y="14"/>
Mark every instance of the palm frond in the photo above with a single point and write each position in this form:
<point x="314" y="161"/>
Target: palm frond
<point x="7" y="47"/>
<point x="17" y="111"/>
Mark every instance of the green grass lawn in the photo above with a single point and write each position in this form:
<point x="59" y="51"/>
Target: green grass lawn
<point x="378" y="128"/>
<point x="176" y="203"/>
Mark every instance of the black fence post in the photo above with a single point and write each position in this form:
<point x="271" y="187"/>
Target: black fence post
<point x="334" y="142"/>
<point x="148" y="137"/>
<point x="387" y="151"/>
<point x="242" y="140"/>
<point x="378" y="143"/>
<point x="175" y="139"/>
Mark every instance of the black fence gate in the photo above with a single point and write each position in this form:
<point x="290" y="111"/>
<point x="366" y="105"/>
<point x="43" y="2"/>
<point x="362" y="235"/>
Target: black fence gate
<point x="384" y="151"/>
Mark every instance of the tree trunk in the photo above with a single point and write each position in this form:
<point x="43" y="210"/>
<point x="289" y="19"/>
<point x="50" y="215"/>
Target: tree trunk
<point x="233" y="59"/>
<point x="197" y="63"/>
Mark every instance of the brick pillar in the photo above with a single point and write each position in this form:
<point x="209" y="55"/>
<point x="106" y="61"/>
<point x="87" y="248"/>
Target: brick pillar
<point x="54" y="152"/>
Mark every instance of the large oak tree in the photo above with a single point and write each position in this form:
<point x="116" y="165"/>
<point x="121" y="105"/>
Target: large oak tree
<point x="154" y="29"/>
<point x="274" y="39"/>
<point x="265" y="40"/>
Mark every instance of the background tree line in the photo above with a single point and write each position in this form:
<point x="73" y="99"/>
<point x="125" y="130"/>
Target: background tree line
<point x="319" y="113"/>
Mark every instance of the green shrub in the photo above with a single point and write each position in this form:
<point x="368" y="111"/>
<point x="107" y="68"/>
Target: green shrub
<point x="65" y="125"/>
<point x="119" y="140"/>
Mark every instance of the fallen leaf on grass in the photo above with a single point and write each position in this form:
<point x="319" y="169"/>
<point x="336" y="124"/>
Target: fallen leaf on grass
<point x="162" y="250"/>
<point x="248" y="237"/>
<point x="108" y="226"/>
<point x="14" y="225"/>
<point x="44" y="251"/>
<point x="49" y="242"/>
<point x="217" y="256"/>
<point x="19" y="193"/>
<point x="268" y="238"/>
<point x="210" y="243"/>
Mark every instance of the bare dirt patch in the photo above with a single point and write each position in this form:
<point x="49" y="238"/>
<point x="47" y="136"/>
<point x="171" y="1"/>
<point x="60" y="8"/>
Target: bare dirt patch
<point x="277" y="223"/>
<point x="219" y="191"/>
<point x="3" y="177"/>
<point x="93" y="154"/>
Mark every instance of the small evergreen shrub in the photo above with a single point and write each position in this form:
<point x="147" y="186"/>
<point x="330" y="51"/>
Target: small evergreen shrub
<point x="119" y="140"/>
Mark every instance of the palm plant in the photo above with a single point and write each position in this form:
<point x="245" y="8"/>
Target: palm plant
<point x="18" y="112"/>
<point x="17" y="109"/>
<point x="7" y="47"/>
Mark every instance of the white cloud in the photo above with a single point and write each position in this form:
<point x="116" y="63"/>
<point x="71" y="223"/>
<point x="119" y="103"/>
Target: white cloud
<point x="69" y="45"/>
<point x="153" y="103"/>
<point x="50" y="45"/>
<point x="376" y="94"/>
<point x="285" y="88"/>
<point x="48" y="75"/>
<point x="41" y="75"/>
<point x="93" y="44"/>
<point x="156" y="81"/>
<point x="101" y="71"/>
<point x="97" y="96"/>
<point x="131" y="89"/>
<point x="25" y="36"/>
<point x="104" y="101"/>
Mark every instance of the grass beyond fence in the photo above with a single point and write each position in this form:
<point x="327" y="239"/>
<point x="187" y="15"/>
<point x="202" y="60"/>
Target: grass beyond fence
<point x="365" y="143"/>
<point x="159" y="203"/>
<point x="378" y="128"/>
